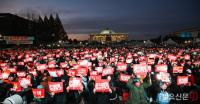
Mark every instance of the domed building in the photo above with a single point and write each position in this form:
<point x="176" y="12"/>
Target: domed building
<point x="108" y="35"/>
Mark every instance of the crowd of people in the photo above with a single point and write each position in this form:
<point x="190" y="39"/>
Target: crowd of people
<point x="100" y="75"/>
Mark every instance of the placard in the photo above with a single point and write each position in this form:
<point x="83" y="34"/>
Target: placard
<point x="63" y="65"/>
<point x="124" y="77"/>
<point x="93" y="73"/>
<point x="102" y="86"/>
<point x="107" y="71"/>
<point x="161" y="68"/>
<point x="95" y="77"/>
<point x="82" y="71"/>
<point x="41" y="67"/>
<point x="165" y="77"/>
<point x="38" y="93"/>
<point x="172" y="57"/>
<point x="4" y="75"/>
<point x="55" y="87"/>
<point x="140" y="69"/>
<point x="121" y="66"/>
<point x="16" y="87"/>
<point x="21" y="74"/>
<point x="178" y="69"/>
<point x="26" y="81"/>
<point x="60" y="72"/>
<point x="99" y="69"/>
<point x="187" y="57"/>
<point x="51" y="65"/>
<point x="75" y="84"/>
<point x="13" y="70"/>
<point x="33" y="72"/>
<point x="83" y="63"/>
<point x="182" y="80"/>
<point x="71" y="72"/>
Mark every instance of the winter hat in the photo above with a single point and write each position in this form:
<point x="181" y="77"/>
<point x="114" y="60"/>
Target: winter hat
<point x="136" y="80"/>
<point x="40" y="86"/>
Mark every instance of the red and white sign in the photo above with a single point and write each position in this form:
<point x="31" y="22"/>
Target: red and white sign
<point x="112" y="59"/>
<point x="152" y="55"/>
<point x="21" y="74"/>
<point x="71" y="72"/>
<point x="100" y="64"/>
<point x="51" y="65"/>
<point x="124" y="77"/>
<point x="182" y="80"/>
<point x="29" y="59"/>
<point x="63" y="65"/>
<point x="178" y="69"/>
<point x="187" y="57"/>
<point x="41" y="67"/>
<point x="4" y="75"/>
<point x="93" y="73"/>
<point x="165" y="77"/>
<point x="82" y="71"/>
<point x="13" y="70"/>
<point x="83" y="63"/>
<point x="121" y="66"/>
<point x="21" y="63"/>
<point x="172" y="57"/>
<point x="3" y="64"/>
<point x="95" y="77"/>
<point x="33" y="72"/>
<point x="108" y="71"/>
<point x="55" y="87"/>
<point x="16" y="87"/>
<point x="26" y="81"/>
<point x="99" y="69"/>
<point x="161" y="68"/>
<point x="38" y="93"/>
<point x="75" y="84"/>
<point x="140" y="69"/>
<point x="60" y="72"/>
<point x="102" y="86"/>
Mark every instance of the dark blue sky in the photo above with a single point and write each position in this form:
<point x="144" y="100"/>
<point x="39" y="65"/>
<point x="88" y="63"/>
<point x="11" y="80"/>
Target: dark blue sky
<point x="141" y="19"/>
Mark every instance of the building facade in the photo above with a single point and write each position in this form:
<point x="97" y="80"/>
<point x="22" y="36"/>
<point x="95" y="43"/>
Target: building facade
<point x="108" y="35"/>
<point x="186" y="33"/>
<point x="185" y="36"/>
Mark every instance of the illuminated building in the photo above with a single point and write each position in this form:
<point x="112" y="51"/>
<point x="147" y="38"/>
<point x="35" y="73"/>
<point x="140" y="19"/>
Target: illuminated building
<point x="107" y="35"/>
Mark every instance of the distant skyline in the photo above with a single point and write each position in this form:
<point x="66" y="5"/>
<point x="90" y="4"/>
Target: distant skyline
<point x="141" y="19"/>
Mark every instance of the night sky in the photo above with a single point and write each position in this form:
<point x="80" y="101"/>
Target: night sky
<point x="141" y="19"/>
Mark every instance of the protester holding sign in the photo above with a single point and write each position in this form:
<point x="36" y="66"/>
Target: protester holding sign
<point x="137" y="90"/>
<point x="102" y="90"/>
<point x="41" y="96"/>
